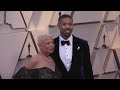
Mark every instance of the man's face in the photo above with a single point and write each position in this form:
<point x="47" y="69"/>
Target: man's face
<point x="66" y="27"/>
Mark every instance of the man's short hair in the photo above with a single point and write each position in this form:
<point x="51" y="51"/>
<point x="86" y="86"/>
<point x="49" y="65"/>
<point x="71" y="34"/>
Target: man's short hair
<point x="64" y="16"/>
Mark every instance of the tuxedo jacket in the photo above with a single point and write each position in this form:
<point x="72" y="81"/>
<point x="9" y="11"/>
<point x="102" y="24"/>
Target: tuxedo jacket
<point x="81" y="67"/>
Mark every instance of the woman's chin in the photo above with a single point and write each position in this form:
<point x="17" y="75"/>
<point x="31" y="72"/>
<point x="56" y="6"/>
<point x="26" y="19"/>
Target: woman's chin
<point x="51" y="52"/>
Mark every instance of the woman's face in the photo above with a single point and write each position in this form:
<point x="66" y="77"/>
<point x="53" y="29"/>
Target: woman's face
<point x="47" y="46"/>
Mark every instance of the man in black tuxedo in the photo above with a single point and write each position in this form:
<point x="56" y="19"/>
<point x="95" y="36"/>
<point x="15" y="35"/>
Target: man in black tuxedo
<point x="71" y="54"/>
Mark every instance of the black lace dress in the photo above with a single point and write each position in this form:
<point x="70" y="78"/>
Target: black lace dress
<point x="37" y="73"/>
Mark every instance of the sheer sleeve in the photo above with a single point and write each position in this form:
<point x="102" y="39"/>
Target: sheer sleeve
<point x="22" y="74"/>
<point x="37" y="73"/>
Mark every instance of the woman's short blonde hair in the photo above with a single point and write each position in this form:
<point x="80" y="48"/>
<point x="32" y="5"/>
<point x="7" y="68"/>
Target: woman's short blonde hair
<point x="43" y="37"/>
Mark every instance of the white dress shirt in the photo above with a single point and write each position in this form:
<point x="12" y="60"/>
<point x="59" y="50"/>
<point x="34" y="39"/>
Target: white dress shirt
<point x="65" y="52"/>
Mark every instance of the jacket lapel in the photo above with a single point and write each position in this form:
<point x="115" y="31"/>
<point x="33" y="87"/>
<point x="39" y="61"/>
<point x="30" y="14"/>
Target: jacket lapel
<point x="58" y="60"/>
<point x="77" y="54"/>
<point x="73" y="54"/>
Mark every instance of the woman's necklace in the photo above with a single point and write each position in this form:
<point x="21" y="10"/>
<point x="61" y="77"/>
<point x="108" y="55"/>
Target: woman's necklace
<point x="48" y="59"/>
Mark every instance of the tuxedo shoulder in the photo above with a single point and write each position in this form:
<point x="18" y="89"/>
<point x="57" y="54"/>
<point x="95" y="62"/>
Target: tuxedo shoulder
<point x="81" y="40"/>
<point x="56" y="38"/>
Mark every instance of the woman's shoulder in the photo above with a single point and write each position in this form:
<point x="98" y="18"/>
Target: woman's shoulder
<point x="32" y="62"/>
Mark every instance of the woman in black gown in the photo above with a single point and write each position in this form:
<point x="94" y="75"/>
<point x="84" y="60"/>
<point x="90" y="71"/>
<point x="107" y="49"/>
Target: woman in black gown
<point x="41" y="65"/>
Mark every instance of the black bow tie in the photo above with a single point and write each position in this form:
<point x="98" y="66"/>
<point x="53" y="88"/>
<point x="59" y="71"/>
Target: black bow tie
<point x="65" y="42"/>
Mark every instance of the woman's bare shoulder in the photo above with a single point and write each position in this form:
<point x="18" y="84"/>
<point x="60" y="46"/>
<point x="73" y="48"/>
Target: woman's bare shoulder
<point x="32" y="62"/>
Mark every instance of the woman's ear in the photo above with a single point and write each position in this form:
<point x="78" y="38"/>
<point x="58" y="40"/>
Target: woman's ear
<point x="58" y="25"/>
<point x="39" y="45"/>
